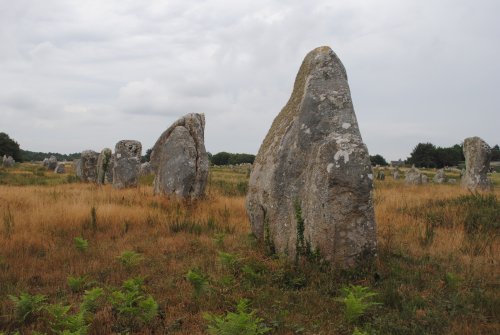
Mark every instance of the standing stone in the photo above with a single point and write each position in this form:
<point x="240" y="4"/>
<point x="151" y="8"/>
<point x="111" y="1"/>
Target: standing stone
<point x="179" y="159"/>
<point x="395" y="175"/>
<point x="440" y="177"/>
<point x="381" y="175"/>
<point x="8" y="161"/>
<point x="425" y="179"/>
<point x="311" y="182"/>
<point x="45" y="162"/>
<point x="89" y="165"/>
<point x="52" y="163"/>
<point x="77" y="165"/>
<point x="413" y="176"/>
<point x="477" y="164"/>
<point x="127" y="161"/>
<point x="104" y="166"/>
<point x="60" y="168"/>
<point x="146" y="169"/>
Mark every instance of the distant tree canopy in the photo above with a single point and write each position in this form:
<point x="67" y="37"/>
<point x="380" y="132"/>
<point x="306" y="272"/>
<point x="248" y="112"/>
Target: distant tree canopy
<point x="39" y="156"/>
<point x="9" y="147"/>
<point x="495" y="153"/>
<point x="378" y="160"/>
<point x="147" y="156"/>
<point x="429" y="156"/>
<point x="226" y="158"/>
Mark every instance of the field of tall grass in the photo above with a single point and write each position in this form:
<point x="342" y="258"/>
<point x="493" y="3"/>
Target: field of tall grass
<point x="84" y="259"/>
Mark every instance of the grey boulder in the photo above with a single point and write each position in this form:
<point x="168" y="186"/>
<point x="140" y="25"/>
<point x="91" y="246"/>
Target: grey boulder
<point x="126" y="163"/>
<point x="179" y="159"/>
<point x="311" y="182"/>
<point x="440" y="177"/>
<point x="60" y="168"/>
<point x="88" y="166"/>
<point x="104" y="167"/>
<point x="52" y="163"/>
<point x="413" y="176"/>
<point x="477" y="164"/>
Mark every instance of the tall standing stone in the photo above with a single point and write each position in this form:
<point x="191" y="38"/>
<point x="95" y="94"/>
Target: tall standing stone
<point x="8" y="161"/>
<point x="88" y="164"/>
<point x="477" y="164"/>
<point x="52" y="163"/>
<point x="311" y="181"/>
<point x="440" y="177"/>
<point x="179" y="159"/>
<point x="104" y="166"/>
<point x="77" y="165"/>
<point x="126" y="163"/>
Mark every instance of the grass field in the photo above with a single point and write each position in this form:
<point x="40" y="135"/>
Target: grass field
<point x="81" y="259"/>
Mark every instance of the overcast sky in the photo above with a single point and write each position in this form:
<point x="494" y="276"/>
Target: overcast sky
<point x="78" y="75"/>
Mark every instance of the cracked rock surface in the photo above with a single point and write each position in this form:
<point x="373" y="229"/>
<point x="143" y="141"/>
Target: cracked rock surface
<point x="179" y="159"/>
<point x="313" y="157"/>
<point x="477" y="163"/>
<point x="126" y="163"/>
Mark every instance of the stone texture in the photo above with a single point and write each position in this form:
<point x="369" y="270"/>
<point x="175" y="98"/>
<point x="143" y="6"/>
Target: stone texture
<point x="89" y="166"/>
<point x="313" y="158"/>
<point x="104" y="167"/>
<point x="425" y="179"/>
<point x="77" y="165"/>
<point x="477" y="164"/>
<point x="60" y="168"/>
<point x="440" y="177"/>
<point x="52" y="163"/>
<point x="45" y="162"/>
<point x="413" y="176"/>
<point x="146" y="169"/>
<point x="452" y="181"/>
<point x="8" y="161"/>
<point x="381" y="175"/>
<point x="395" y="175"/>
<point x="126" y="163"/>
<point x="179" y="159"/>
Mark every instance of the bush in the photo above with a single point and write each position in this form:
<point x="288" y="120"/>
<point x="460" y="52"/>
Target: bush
<point x="130" y="258"/>
<point x="356" y="300"/>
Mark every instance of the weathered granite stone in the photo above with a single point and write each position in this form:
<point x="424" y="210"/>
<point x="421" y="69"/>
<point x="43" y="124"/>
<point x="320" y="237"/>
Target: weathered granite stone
<point x="104" y="166"/>
<point x="381" y="175"/>
<point x="146" y="169"/>
<point x="477" y="164"/>
<point x="311" y="182"/>
<point x="89" y="166"/>
<point x="179" y="159"/>
<point x="45" y="162"/>
<point x="395" y="175"/>
<point x="77" y="165"/>
<point x="126" y="163"/>
<point x="60" y="168"/>
<point x="440" y="177"/>
<point x="52" y="163"/>
<point x="8" y="161"/>
<point x="425" y="179"/>
<point x="413" y="176"/>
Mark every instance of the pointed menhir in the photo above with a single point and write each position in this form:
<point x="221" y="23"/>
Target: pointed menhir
<point x="313" y="162"/>
<point x="179" y="159"/>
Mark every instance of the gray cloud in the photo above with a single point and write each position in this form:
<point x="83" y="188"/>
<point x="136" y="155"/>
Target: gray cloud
<point x="92" y="73"/>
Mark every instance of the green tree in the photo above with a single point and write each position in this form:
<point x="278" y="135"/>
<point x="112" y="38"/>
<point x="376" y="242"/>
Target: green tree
<point x="147" y="156"/>
<point x="423" y="155"/>
<point x="495" y="153"/>
<point x="221" y="158"/>
<point x="9" y="147"/>
<point x="378" y="160"/>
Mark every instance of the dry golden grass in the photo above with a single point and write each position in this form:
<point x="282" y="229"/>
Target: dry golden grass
<point x="38" y="254"/>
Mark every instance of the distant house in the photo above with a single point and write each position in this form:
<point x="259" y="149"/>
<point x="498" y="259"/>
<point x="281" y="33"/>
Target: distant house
<point x="397" y="163"/>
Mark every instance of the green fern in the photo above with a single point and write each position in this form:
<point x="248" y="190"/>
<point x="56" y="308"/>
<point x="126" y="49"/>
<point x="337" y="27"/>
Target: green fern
<point x="62" y="322"/>
<point x="241" y="322"/>
<point x="27" y="306"/>
<point x="81" y="244"/>
<point x="91" y="300"/>
<point x="130" y="259"/>
<point x="356" y="300"/>
<point x="199" y="282"/>
<point x="76" y="284"/>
